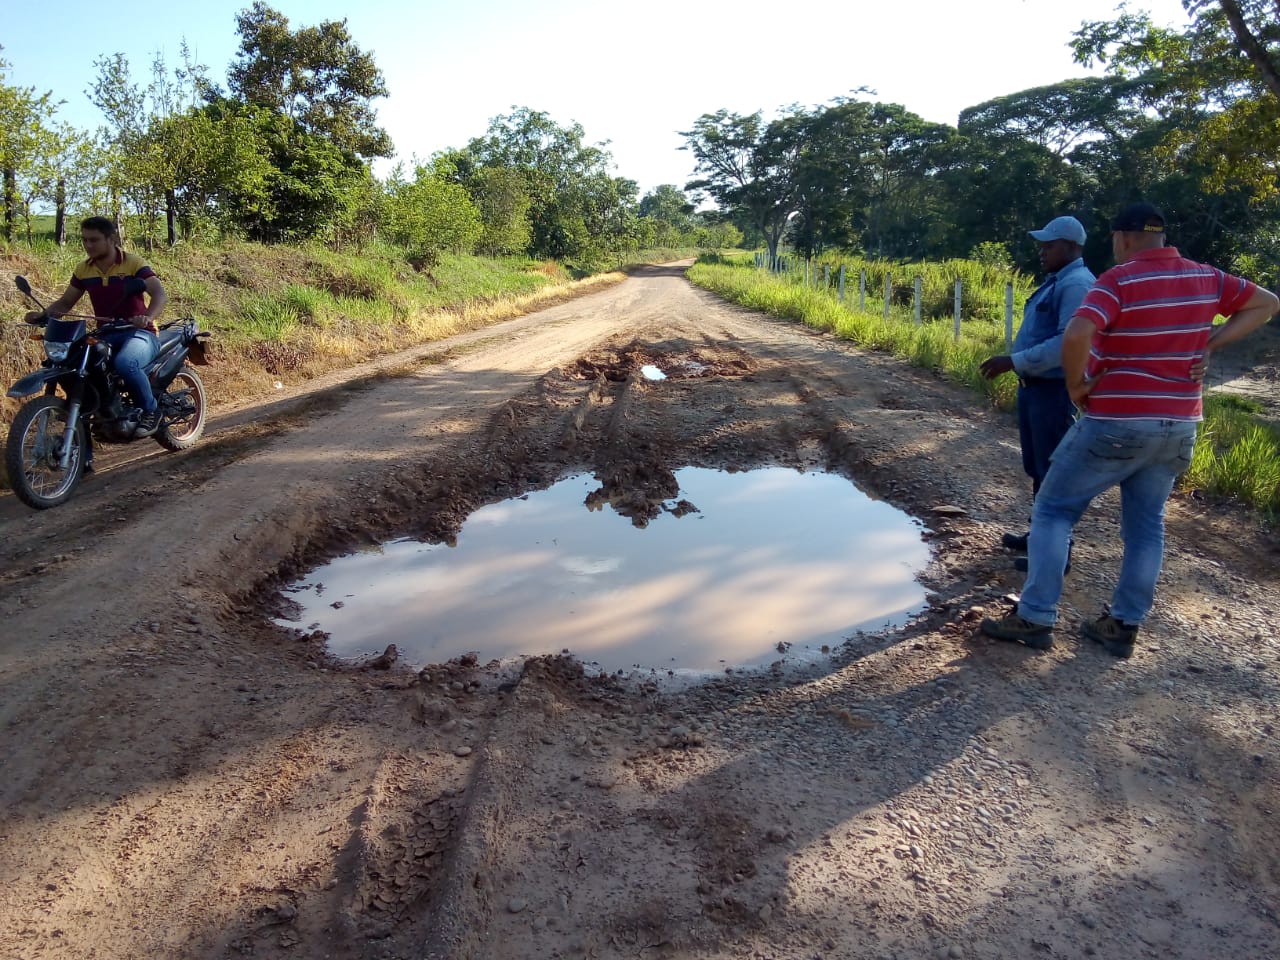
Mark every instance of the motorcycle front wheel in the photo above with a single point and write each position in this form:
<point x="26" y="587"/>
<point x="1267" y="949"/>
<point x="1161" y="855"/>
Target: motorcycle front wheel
<point x="183" y="410"/>
<point x="33" y="454"/>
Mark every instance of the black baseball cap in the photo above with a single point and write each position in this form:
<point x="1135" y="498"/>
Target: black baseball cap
<point x="1139" y="218"/>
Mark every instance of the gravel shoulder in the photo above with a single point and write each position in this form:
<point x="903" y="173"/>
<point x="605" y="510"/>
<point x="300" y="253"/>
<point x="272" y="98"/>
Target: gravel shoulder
<point x="182" y="778"/>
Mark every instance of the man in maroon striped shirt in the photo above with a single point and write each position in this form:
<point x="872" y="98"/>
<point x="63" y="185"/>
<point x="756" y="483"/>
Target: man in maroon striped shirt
<point x="1128" y="354"/>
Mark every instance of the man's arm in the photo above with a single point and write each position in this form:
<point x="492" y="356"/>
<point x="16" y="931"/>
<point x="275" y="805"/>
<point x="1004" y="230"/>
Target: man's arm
<point x="156" y="300"/>
<point x="70" y="297"/>
<point x="1258" y="309"/>
<point x="1076" y="343"/>
<point x="1047" y="355"/>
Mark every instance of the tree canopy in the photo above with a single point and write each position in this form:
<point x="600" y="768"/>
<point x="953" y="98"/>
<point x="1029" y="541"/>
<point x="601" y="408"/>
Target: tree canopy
<point x="1188" y="118"/>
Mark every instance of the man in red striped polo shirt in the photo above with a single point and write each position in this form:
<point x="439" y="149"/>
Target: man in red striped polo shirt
<point x="1128" y="355"/>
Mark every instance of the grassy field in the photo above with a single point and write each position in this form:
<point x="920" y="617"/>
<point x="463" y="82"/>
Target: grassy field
<point x="1237" y="455"/>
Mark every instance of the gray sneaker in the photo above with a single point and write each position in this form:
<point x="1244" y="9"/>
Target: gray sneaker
<point x="1116" y="636"/>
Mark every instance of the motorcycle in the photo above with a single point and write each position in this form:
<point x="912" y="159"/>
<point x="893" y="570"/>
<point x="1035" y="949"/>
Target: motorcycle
<point x="50" y="442"/>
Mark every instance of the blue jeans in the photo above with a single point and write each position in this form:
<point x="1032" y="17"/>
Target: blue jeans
<point x="131" y="351"/>
<point x="1142" y="458"/>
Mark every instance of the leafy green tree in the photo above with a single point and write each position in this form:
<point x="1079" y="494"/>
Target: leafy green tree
<point x="214" y="164"/>
<point x="27" y="142"/>
<point x="716" y="233"/>
<point x="1026" y="157"/>
<point x="671" y="214"/>
<point x="149" y="137"/>
<point x="501" y="196"/>
<point x="316" y="76"/>
<point x="123" y="105"/>
<point x="304" y="190"/>
<point x="577" y="209"/>
<point x="1058" y="117"/>
<point x="750" y="167"/>
<point x="75" y="170"/>
<point x="1219" y="79"/>
<point x="430" y="215"/>
<point x="308" y="95"/>
<point x="866" y="180"/>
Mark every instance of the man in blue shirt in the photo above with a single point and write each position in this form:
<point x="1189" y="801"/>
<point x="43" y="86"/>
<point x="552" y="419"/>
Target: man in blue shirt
<point x="1045" y="410"/>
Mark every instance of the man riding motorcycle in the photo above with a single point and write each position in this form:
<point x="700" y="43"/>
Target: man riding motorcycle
<point x="132" y="337"/>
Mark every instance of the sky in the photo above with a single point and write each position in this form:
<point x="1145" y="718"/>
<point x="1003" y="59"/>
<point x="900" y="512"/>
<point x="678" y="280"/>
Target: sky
<point x="632" y="75"/>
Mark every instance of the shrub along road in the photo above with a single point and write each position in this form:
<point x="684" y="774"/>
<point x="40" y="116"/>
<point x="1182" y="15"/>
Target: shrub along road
<point x="183" y="778"/>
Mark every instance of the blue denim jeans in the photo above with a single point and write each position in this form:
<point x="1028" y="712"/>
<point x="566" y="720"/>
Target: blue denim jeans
<point x="131" y="351"/>
<point x="1142" y="458"/>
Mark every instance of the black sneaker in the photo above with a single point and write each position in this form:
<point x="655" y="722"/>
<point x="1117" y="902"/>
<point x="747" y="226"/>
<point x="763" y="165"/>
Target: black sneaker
<point x="1018" y="629"/>
<point x="148" y="423"/>
<point x="1116" y="636"/>
<point x="1017" y="542"/>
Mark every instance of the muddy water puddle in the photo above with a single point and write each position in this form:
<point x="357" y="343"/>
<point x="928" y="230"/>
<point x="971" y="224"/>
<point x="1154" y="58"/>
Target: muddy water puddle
<point x="739" y="570"/>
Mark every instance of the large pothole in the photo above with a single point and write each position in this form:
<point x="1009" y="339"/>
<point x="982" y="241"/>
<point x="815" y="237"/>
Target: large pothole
<point x="706" y="570"/>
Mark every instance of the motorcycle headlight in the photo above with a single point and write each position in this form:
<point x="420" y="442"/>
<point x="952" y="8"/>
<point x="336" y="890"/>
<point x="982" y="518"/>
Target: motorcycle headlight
<point x="56" y="351"/>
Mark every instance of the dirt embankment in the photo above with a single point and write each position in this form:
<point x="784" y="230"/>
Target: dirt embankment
<point x="183" y="779"/>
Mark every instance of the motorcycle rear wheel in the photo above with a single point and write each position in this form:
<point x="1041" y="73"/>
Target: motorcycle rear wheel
<point x="33" y="451"/>
<point x="184" y="409"/>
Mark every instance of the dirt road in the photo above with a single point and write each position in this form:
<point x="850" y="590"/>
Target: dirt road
<point x="181" y="778"/>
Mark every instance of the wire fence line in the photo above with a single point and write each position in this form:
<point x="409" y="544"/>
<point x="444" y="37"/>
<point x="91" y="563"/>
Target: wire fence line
<point x="923" y="307"/>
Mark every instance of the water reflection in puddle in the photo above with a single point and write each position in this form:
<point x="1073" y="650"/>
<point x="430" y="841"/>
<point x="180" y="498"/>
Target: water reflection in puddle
<point x="772" y="557"/>
<point x="650" y="372"/>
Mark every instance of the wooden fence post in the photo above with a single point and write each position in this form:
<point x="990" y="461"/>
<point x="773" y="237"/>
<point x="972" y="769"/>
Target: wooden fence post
<point x="918" y="296"/>
<point x="862" y="289"/>
<point x="888" y="292"/>
<point x="842" y="283"/>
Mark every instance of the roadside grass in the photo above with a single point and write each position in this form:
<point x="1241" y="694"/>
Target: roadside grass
<point x="1237" y="455"/>
<point x="932" y="344"/>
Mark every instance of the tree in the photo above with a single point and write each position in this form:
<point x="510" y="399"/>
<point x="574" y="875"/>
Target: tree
<point x="308" y="95"/>
<point x="1256" y="35"/>
<point x="669" y="209"/>
<point x="577" y="209"/>
<point x="430" y="215"/>
<point x="215" y="166"/>
<point x="1217" y="78"/>
<point x="27" y="142"/>
<point x="1070" y="147"/>
<point x="1058" y="117"/>
<point x="749" y="166"/>
<point x="304" y="186"/>
<point x="316" y="76"/>
<point x="502" y="198"/>
<point x="865" y="178"/>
